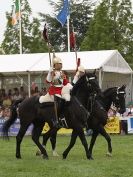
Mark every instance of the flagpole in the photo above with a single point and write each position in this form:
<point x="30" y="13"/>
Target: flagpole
<point x="75" y="47"/>
<point x="68" y="32"/>
<point x="20" y="29"/>
<point x="68" y="25"/>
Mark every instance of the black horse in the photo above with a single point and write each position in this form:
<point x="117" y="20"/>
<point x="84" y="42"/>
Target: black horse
<point x="115" y="96"/>
<point x="98" y="107"/>
<point x="30" y="112"/>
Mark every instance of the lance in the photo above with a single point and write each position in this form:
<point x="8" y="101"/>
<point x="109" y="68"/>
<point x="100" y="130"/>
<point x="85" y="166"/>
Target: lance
<point x="46" y="38"/>
<point x="74" y="46"/>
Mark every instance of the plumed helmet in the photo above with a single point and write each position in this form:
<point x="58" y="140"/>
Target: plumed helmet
<point x="81" y="69"/>
<point x="57" y="60"/>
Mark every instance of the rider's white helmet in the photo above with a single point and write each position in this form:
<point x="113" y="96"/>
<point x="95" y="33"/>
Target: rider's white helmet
<point x="81" y="69"/>
<point x="57" y="60"/>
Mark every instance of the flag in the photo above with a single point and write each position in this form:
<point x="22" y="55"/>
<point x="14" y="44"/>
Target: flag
<point x="62" y="16"/>
<point x="45" y="33"/>
<point x="72" y="40"/>
<point x="15" y="14"/>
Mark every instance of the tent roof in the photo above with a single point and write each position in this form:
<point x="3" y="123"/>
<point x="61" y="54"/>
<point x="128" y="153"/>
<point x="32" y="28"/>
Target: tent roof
<point x="109" y="60"/>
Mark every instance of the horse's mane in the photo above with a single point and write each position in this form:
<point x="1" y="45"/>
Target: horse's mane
<point x="108" y="91"/>
<point x="78" y="85"/>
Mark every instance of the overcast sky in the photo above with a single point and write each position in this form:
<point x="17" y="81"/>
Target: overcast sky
<point x="36" y="6"/>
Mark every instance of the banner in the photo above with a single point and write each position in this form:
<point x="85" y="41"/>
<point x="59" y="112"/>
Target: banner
<point x="60" y="131"/>
<point x="130" y="124"/>
<point x="113" y="125"/>
<point x="13" y="131"/>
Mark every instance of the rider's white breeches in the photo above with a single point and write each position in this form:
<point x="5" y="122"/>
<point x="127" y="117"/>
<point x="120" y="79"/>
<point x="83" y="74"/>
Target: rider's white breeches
<point x="65" y="94"/>
<point x="46" y="98"/>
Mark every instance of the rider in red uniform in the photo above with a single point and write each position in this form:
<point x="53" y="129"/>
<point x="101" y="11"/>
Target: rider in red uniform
<point x="58" y="81"/>
<point x="59" y="86"/>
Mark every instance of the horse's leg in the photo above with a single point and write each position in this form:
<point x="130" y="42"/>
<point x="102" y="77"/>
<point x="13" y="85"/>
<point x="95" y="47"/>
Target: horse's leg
<point x="84" y="142"/>
<point x="53" y="143"/>
<point x="36" y="132"/>
<point x="92" y="142"/>
<point x="72" y="142"/>
<point x="52" y="133"/>
<point x="103" y="132"/>
<point x="19" y="138"/>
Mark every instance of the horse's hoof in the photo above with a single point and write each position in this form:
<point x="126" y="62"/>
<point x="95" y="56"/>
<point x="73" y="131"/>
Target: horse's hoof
<point x="45" y="157"/>
<point x="38" y="153"/>
<point x="63" y="156"/>
<point x="55" y="154"/>
<point x="18" y="157"/>
<point x="109" y="154"/>
<point x="90" y="158"/>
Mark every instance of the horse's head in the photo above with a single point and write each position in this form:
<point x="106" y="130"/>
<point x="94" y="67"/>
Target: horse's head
<point x="92" y="82"/>
<point x="86" y="85"/>
<point x="119" y="98"/>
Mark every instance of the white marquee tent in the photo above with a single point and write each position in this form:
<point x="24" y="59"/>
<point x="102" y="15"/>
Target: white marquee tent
<point x="108" y="60"/>
<point x="105" y="61"/>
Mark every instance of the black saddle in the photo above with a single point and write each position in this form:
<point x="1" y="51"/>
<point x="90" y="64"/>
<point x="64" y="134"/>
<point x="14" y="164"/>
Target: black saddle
<point x="46" y="104"/>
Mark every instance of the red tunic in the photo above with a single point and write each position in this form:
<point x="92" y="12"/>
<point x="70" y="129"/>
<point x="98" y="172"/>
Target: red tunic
<point x="53" y="89"/>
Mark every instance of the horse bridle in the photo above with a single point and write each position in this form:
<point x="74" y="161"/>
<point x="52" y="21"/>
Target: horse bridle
<point x="89" y="79"/>
<point x="116" y="104"/>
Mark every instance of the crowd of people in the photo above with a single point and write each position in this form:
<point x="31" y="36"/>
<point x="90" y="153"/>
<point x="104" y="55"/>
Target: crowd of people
<point x="8" y="97"/>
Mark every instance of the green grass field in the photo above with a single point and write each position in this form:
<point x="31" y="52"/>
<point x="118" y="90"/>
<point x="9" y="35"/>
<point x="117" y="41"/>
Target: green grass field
<point x="76" y="164"/>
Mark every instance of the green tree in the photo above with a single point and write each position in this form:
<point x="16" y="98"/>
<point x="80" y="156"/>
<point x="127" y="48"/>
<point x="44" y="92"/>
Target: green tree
<point x="36" y="42"/>
<point x="100" y="27"/>
<point x="111" y="28"/>
<point x="80" y="15"/>
<point x="1" y="51"/>
<point x="31" y="34"/>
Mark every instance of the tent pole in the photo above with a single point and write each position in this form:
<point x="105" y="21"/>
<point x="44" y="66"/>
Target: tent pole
<point x="19" y="77"/>
<point x="29" y="81"/>
<point x="131" y="87"/>
<point x="100" y="77"/>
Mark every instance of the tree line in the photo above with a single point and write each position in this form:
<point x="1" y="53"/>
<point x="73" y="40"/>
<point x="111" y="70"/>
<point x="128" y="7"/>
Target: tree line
<point x="106" y="26"/>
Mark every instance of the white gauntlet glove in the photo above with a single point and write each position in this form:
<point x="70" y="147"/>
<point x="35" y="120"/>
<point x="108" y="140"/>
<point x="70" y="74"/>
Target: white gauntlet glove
<point x="76" y="77"/>
<point x="49" y="76"/>
<point x="77" y="73"/>
<point x="50" y="69"/>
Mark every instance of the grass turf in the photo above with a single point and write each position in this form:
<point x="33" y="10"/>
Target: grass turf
<point x="76" y="164"/>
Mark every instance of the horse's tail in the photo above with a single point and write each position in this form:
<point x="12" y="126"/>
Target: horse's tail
<point x="11" y="119"/>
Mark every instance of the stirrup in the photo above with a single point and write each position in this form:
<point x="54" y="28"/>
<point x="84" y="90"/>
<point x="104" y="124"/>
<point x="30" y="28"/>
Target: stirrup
<point x="63" y="122"/>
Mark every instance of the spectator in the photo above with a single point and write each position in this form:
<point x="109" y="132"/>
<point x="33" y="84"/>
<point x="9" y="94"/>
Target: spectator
<point x="36" y="92"/>
<point x="130" y="110"/>
<point x="22" y="92"/>
<point x="43" y="91"/>
<point x="16" y="95"/>
<point x="7" y="101"/>
<point x="1" y="113"/>
<point x="2" y="95"/>
<point x="10" y="92"/>
<point x="7" y="113"/>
